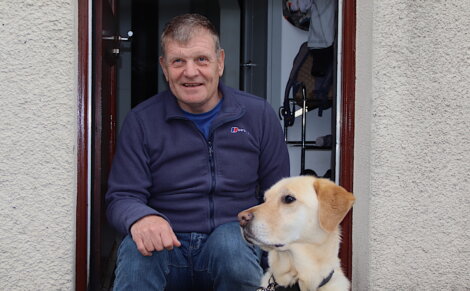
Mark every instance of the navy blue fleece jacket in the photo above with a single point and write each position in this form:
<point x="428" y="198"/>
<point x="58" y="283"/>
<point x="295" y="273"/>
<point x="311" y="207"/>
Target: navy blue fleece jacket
<point x="165" y="166"/>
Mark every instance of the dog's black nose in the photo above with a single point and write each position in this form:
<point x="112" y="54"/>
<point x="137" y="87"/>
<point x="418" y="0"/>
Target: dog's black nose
<point x="244" y="217"/>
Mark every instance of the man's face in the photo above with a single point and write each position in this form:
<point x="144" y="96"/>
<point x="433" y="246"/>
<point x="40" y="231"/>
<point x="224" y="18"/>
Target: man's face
<point x="193" y="70"/>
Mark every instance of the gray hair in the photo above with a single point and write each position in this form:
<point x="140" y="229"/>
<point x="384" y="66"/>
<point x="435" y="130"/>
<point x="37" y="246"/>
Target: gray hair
<point x="181" y="28"/>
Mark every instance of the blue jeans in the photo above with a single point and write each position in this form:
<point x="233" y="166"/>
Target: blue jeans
<point x="218" y="261"/>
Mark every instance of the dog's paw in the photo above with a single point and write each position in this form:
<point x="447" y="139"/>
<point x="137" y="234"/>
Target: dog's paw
<point x="265" y="279"/>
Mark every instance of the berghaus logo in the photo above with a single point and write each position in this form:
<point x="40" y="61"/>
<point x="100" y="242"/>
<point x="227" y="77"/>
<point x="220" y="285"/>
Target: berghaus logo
<point x="236" y="129"/>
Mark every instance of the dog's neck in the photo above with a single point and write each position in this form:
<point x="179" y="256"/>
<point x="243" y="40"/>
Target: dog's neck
<point x="325" y="253"/>
<point x="321" y="260"/>
<point x="322" y="245"/>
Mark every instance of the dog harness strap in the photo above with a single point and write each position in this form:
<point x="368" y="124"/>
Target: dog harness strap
<point x="272" y="285"/>
<point x="326" y="280"/>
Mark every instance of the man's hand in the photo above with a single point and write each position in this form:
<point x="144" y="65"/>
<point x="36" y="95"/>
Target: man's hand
<point x="153" y="233"/>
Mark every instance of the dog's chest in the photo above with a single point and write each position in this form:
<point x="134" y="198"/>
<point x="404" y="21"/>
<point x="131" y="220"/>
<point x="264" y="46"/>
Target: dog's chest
<point x="283" y="268"/>
<point x="299" y="272"/>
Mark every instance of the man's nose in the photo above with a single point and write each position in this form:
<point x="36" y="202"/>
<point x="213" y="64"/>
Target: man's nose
<point x="244" y="217"/>
<point x="190" y="69"/>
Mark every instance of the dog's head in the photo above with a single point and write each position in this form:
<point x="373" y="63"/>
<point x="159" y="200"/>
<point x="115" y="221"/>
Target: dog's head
<point x="298" y="209"/>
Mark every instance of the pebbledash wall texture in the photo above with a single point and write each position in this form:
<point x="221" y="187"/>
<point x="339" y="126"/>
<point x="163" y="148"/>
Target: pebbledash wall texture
<point x="38" y="73"/>
<point x="412" y="150"/>
<point x="412" y="147"/>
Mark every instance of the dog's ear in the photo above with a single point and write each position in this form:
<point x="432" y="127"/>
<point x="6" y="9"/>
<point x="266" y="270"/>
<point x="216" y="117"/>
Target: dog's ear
<point x="334" y="202"/>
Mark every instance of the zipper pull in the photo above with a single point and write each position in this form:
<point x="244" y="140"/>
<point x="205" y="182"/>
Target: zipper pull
<point x="209" y="143"/>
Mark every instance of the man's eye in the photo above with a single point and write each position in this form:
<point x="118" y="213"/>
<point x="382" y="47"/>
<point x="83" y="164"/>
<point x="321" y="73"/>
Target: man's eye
<point x="177" y="62"/>
<point x="202" y="59"/>
<point x="288" y="199"/>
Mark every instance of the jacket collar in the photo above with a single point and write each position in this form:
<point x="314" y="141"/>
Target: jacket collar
<point x="231" y="108"/>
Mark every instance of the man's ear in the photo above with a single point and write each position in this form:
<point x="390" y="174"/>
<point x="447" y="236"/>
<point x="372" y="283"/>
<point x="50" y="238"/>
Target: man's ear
<point x="163" y="66"/>
<point x="334" y="202"/>
<point x="221" y="62"/>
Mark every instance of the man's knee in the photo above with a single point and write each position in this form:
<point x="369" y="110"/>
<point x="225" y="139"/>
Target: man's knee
<point x="133" y="266"/>
<point x="227" y="240"/>
<point x="231" y="252"/>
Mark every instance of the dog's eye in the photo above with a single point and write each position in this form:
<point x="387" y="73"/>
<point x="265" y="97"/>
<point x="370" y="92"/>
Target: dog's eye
<point x="288" y="199"/>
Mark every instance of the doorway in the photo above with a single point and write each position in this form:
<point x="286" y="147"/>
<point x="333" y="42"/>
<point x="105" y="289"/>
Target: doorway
<point x="93" y="276"/>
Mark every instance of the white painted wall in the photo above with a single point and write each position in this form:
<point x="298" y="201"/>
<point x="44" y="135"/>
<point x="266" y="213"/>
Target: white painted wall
<point x="412" y="146"/>
<point x="38" y="93"/>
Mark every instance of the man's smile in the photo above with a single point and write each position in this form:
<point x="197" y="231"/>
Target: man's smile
<point x="192" y="84"/>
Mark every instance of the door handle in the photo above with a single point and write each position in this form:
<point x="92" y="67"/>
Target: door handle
<point x="248" y="65"/>
<point x="120" y="38"/>
<point x="115" y="51"/>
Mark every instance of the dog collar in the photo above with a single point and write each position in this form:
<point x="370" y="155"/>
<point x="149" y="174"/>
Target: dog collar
<point x="272" y="284"/>
<point x="327" y="279"/>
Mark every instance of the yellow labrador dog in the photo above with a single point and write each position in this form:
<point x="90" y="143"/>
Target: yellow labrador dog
<point x="298" y="225"/>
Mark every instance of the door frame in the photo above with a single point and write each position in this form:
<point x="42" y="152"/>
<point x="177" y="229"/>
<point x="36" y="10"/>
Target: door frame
<point x="346" y="152"/>
<point x="84" y="127"/>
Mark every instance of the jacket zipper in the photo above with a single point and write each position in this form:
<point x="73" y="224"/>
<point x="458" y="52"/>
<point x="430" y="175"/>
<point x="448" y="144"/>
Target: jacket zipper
<point x="212" y="189"/>
<point x="210" y="145"/>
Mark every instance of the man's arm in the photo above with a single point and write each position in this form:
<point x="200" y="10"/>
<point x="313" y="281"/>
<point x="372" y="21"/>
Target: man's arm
<point x="128" y="194"/>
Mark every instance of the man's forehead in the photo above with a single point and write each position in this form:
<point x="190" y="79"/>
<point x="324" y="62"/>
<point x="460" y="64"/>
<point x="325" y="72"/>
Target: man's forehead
<point x="189" y="49"/>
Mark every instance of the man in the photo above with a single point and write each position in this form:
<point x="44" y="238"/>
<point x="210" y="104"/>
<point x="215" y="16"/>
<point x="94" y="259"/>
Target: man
<point x="188" y="160"/>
